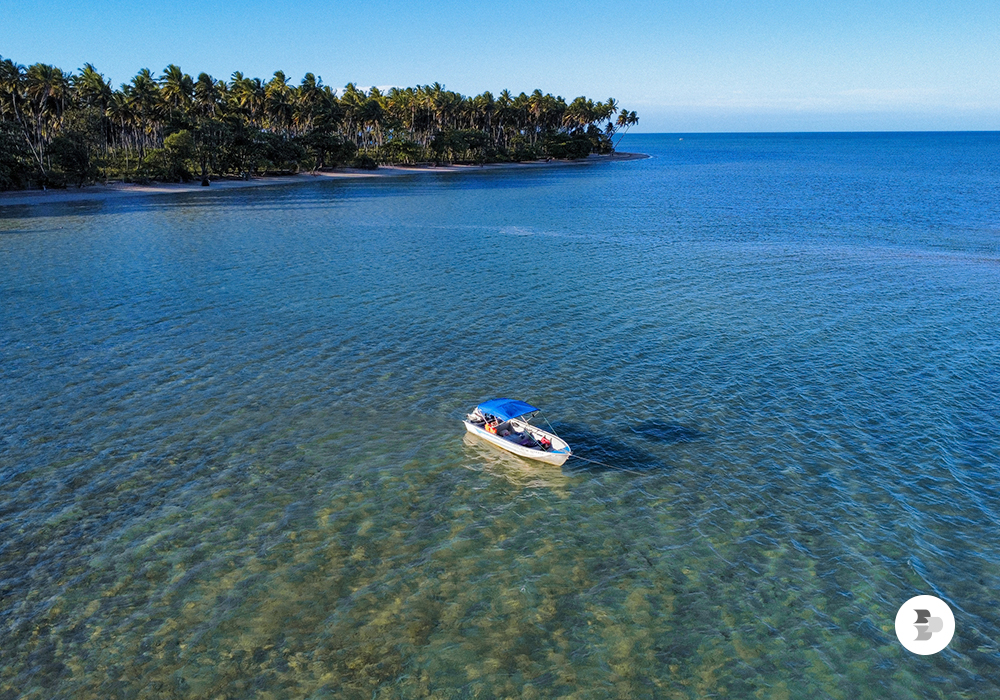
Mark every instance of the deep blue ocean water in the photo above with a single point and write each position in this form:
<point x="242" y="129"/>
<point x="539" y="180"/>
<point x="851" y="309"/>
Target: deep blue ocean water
<point x="232" y="462"/>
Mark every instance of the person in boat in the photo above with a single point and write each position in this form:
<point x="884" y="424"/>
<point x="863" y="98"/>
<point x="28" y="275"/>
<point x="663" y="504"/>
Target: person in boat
<point x="493" y="426"/>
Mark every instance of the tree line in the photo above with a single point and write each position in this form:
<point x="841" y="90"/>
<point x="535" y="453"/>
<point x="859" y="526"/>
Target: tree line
<point x="59" y="128"/>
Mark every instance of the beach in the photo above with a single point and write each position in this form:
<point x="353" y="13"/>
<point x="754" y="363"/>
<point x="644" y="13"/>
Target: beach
<point x="111" y="190"/>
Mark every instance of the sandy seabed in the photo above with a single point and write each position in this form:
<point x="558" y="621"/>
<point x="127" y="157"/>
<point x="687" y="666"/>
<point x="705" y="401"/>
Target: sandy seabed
<point x="124" y="189"/>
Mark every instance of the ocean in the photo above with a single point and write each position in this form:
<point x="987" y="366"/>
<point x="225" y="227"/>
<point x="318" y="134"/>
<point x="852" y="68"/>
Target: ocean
<point x="232" y="462"/>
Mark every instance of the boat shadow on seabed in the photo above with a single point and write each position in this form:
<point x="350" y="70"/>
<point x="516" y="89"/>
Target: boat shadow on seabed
<point x="602" y="452"/>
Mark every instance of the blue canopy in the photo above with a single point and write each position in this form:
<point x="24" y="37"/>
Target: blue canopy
<point x="505" y="408"/>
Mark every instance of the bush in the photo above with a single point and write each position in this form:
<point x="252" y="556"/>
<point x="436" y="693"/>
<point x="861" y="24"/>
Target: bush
<point x="328" y="149"/>
<point x="16" y="168"/>
<point x="180" y="145"/>
<point x="70" y="154"/>
<point x="456" y="143"/>
<point x="520" y="149"/>
<point x="600" y="141"/>
<point x="400" y="150"/>
<point x="364" y="161"/>
<point x="171" y="162"/>
<point x="565" y="146"/>
<point x="281" y="154"/>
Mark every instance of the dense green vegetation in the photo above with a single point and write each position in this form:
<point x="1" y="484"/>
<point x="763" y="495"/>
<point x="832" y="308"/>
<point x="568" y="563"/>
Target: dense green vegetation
<point x="58" y="128"/>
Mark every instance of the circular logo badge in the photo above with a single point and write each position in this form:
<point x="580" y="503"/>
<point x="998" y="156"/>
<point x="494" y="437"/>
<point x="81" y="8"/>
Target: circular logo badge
<point x="925" y="625"/>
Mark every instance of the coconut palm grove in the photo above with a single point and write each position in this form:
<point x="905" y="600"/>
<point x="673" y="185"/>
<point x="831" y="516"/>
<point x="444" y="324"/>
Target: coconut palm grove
<point x="61" y="129"/>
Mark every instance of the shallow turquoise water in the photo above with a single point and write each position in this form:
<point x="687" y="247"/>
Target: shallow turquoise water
<point x="232" y="464"/>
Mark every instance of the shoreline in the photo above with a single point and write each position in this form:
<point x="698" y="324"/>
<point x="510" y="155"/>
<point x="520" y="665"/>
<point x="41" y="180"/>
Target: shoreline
<point x="116" y="190"/>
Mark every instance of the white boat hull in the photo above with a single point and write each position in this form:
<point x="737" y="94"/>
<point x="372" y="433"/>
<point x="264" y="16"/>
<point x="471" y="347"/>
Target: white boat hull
<point x="557" y="456"/>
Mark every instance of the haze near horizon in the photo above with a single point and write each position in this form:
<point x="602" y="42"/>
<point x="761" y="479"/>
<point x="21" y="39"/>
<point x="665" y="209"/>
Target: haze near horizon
<point x="721" y="66"/>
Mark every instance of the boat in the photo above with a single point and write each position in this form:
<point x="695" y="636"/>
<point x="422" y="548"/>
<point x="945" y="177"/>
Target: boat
<point x="505" y="423"/>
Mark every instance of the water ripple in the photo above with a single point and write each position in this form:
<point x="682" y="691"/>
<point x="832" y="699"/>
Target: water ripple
<point x="231" y="458"/>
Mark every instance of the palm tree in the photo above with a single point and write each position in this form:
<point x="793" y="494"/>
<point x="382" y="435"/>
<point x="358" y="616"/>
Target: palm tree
<point x="423" y="114"/>
<point x="352" y="102"/>
<point x="483" y="108"/>
<point x="92" y="93"/>
<point x="123" y="118"/>
<point x="504" y="115"/>
<point x="46" y="89"/>
<point x="278" y="105"/>
<point x="579" y="114"/>
<point x="248" y="97"/>
<point x="14" y="107"/>
<point x="207" y="96"/>
<point x="148" y="109"/>
<point x="628" y="120"/>
<point x="177" y="88"/>
<point x="11" y="90"/>
<point x="308" y="101"/>
<point x="226" y="118"/>
<point x="373" y="117"/>
<point x="400" y="110"/>
<point x="91" y="89"/>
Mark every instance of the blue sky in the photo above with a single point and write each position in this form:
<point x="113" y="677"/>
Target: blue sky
<point x="714" y="65"/>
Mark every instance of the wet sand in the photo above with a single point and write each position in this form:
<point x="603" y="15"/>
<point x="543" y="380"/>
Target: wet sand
<point x="123" y="189"/>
